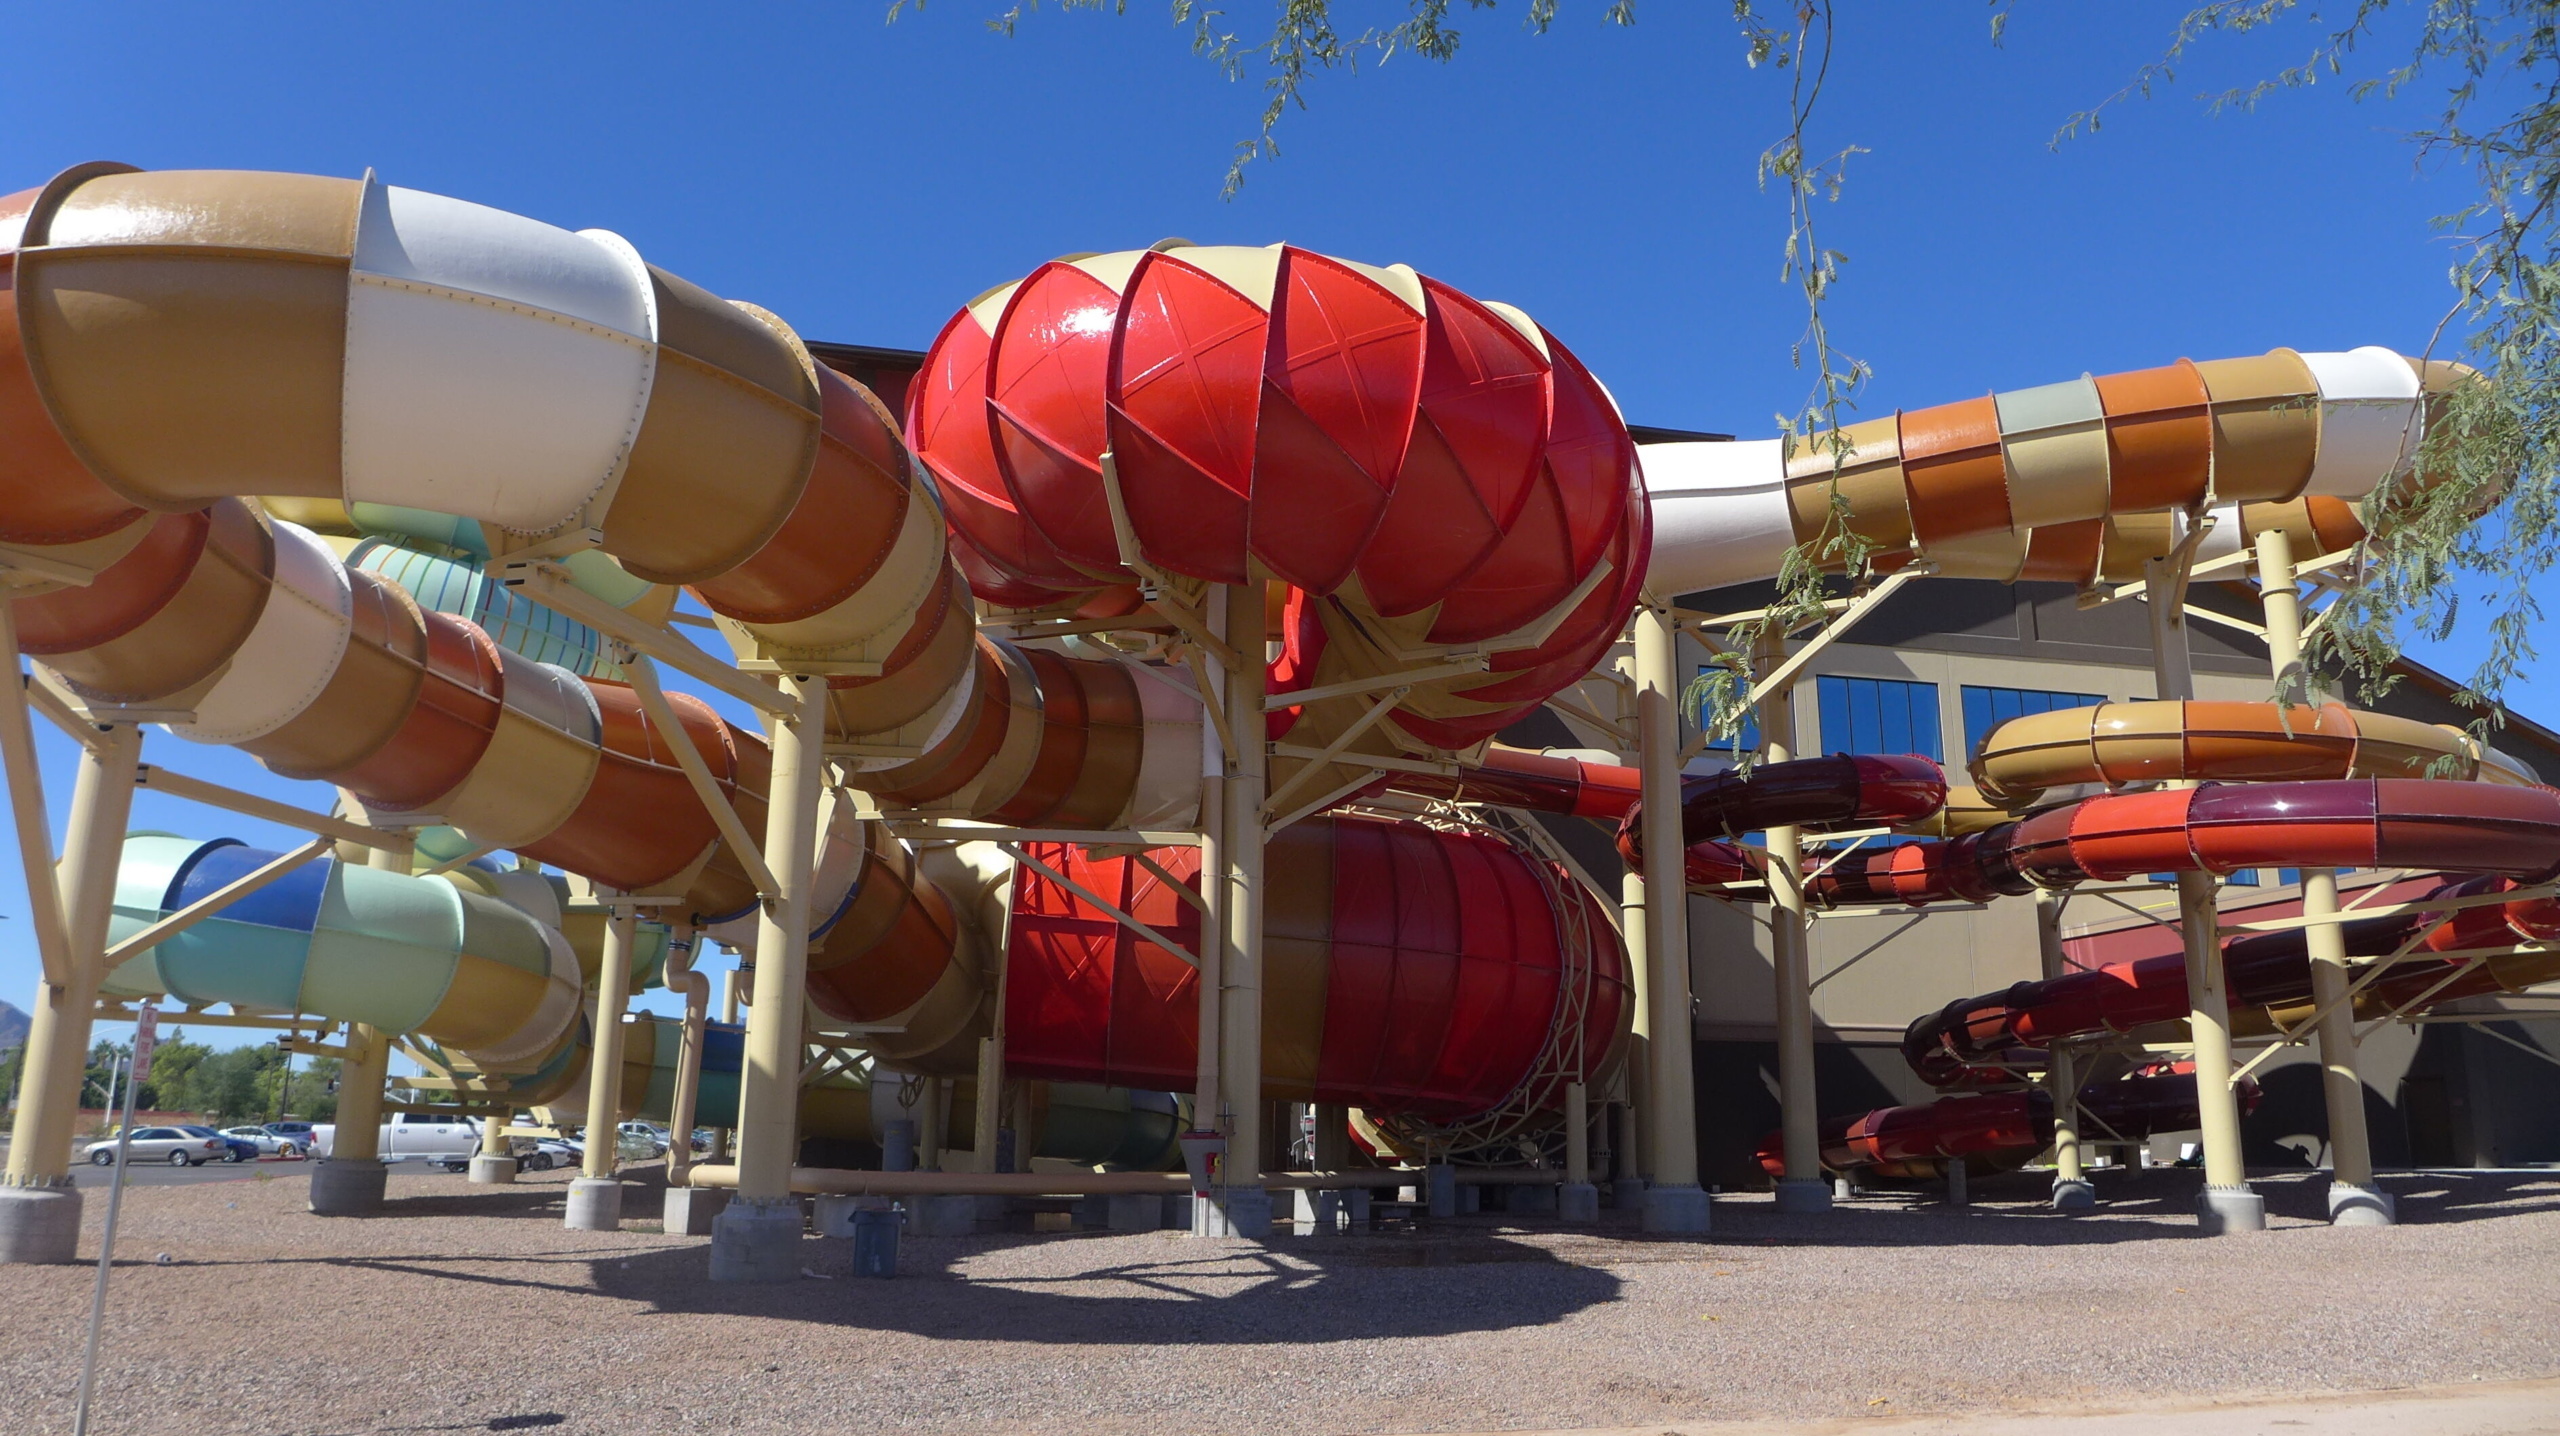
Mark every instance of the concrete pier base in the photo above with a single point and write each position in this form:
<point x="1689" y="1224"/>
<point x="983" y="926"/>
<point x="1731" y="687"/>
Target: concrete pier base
<point x="493" y="1171"/>
<point x="1316" y="1213"/>
<point x="1177" y="1213"/>
<point x="39" y="1225"/>
<point x="1440" y="1189"/>
<point x="1532" y="1201"/>
<point x="2222" y="1211"/>
<point x="756" y="1241"/>
<point x="2361" y="1207"/>
<point x="2074" y="1196"/>
<point x="1682" y="1211"/>
<point x="595" y="1205"/>
<point x="352" y="1188"/>
<point x="1626" y="1194"/>
<point x="1241" y="1212"/>
<point x="1578" y="1203"/>
<point x="1134" y="1212"/>
<point x="691" y="1210"/>
<point x="944" y="1216"/>
<point x="1804" y="1196"/>
<point x="832" y="1215"/>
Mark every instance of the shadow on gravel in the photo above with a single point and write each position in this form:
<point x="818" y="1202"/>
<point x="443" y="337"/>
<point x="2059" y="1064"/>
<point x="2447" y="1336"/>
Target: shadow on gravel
<point x="1170" y="1291"/>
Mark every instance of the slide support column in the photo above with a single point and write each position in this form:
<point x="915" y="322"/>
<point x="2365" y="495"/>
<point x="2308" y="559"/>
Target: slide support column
<point x="39" y="1208"/>
<point x="757" y="1236"/>
<point x="595" y="1198"/>
<point x="2354" y="1199"/>
<point x="1238" y="1205"/>
<point x="2072" y="1191"/>
<point x="1802" y="1189"/>
<point x="1673" y="1202"/>
<point x="2227" y="1204"/>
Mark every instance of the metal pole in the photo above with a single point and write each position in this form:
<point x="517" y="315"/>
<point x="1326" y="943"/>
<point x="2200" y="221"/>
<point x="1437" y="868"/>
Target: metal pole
<point x="1674" y="1202"/>
<point x="2354" y="1200"/>
<point x="106" y="1255"/>
<point x="2072" y="1191"/>
<point x="757" y="1237"/>
<point x="1244" y="1207"/>
<point x="595" y="1198"/>
<point x="1208" y="1107"/>
<point x="687" y="1099"/>
<point x="2226" y="1204"/>
<point x="1802" y="1189"/>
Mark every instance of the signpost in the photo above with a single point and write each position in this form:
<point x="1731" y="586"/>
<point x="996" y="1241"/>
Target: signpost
<point x="146" y="1035"/>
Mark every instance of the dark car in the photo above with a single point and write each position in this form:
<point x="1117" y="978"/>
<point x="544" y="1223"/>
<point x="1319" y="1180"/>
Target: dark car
<point x="239" y="1151"/>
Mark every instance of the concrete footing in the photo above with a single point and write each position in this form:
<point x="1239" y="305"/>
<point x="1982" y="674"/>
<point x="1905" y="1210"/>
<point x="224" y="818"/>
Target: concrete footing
<point x="756" y="1241"/>
<point x="349" y="1188"/>
<point x="1355" y="1208"/>
<point x="1440" y="1190"/>
<point x="1578" y="1203"/>
<point x="1134" y="1212"/>
<point x="2361" y="1207"/>
<point x="1240" y="1212"/>
<point x="595" y="1205"/>
<point x="944" y="1216"/>
<point x="39" y="1225"/>
<point x="691" y="1210"/>
<point x="1804" y="1196"/>
<point x="2221" y="1211"/>
<point x="832" y="1214"/>
<point x="1679" y="1211"/>
<point x="1177" y="1213"/>
<point x="493" y="1171"/>
<point x="2074" y="1196"/>
<point x="1470" y="1199"/>
<point x="1316" y="1213"/>
<point x="1626" y="1194"/>
<point x="1532" y="1201"/>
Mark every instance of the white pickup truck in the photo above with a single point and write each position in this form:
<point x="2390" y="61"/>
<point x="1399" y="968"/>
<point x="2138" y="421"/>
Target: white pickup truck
<point x="413" y="1137"/>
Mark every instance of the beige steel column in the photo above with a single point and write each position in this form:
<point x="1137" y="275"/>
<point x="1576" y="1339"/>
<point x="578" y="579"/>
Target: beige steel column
<point x="1802" y="1189"/>
<point x="56" y="1061"/>
<point x="362" y="1074"/>
<point x="684" y="1103"/>
<point x="1247" y="1207"/>
<point x="2072" y="1191"/>
<point x="1208" y="1101"/>
<point x="2226" y="1204"/>
<point x="2354" y="1200"/>
<point x="757" y="1237"/>
<point x="1635" y="1146"/>
<point x="1673" y="1202"/>
<point x="595" y="1198"/>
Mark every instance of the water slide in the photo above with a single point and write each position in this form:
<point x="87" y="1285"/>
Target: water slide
<point x="264" y="434"/>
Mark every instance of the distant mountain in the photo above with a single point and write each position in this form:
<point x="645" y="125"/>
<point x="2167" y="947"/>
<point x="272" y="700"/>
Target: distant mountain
<point x="13" y="1027"/>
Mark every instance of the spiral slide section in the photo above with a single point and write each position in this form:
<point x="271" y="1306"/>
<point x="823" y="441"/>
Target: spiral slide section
<point x="211" y="381"/>
<point x="2072" y="482"/>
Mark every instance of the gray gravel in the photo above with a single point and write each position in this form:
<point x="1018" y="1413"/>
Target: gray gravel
<point x="471" y="1309"/>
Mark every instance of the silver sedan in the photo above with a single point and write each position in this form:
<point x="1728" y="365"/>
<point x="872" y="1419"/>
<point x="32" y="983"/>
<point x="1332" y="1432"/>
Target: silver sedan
<point x="162" y="1144"/>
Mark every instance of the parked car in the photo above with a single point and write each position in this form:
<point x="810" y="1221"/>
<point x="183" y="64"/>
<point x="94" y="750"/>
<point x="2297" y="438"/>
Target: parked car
<point x="411" y="1136"/>
<point x="643" y="1140"/>
<point x="548" y="1153"/>
<point x="234" y="1148"/>
<point x="296" y="1132"/>
<point x="268" y="1143"/>
<point x="161" y="1144"/>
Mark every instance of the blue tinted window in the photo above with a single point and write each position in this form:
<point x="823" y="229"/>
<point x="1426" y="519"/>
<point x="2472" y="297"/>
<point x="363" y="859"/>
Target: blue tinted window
<point x="1744" y="741"/>
<point x="1988" y="708"/>
<point x="1879" y="715"/>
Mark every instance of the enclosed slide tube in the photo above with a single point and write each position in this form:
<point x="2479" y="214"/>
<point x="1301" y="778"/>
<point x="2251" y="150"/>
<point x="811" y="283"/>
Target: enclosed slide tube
<point x="176" y="341"/>
<point x="1406" y="969"/>
<point x="2072" y="482"/>
<point x="2001" y="1129"/>
<point x="1993" y="1036"/>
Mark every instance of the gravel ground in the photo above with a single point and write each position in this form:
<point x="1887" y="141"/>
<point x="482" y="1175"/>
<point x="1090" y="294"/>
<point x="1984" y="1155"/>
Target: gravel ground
<point x="470" y="1308"/>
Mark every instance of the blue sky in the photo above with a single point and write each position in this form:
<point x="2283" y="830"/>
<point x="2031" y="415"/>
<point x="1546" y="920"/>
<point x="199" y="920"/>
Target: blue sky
<point x="864" y="179"/>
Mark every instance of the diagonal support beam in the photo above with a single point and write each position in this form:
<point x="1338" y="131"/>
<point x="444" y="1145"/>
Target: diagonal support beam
<point x="653" y="701"/>
<point x="548" y="584"/>
<point x="26" y="806"/>
<point x="1098" y="900"/>
<point x="1333" y="750"/>
<point x="214" y="795"/>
